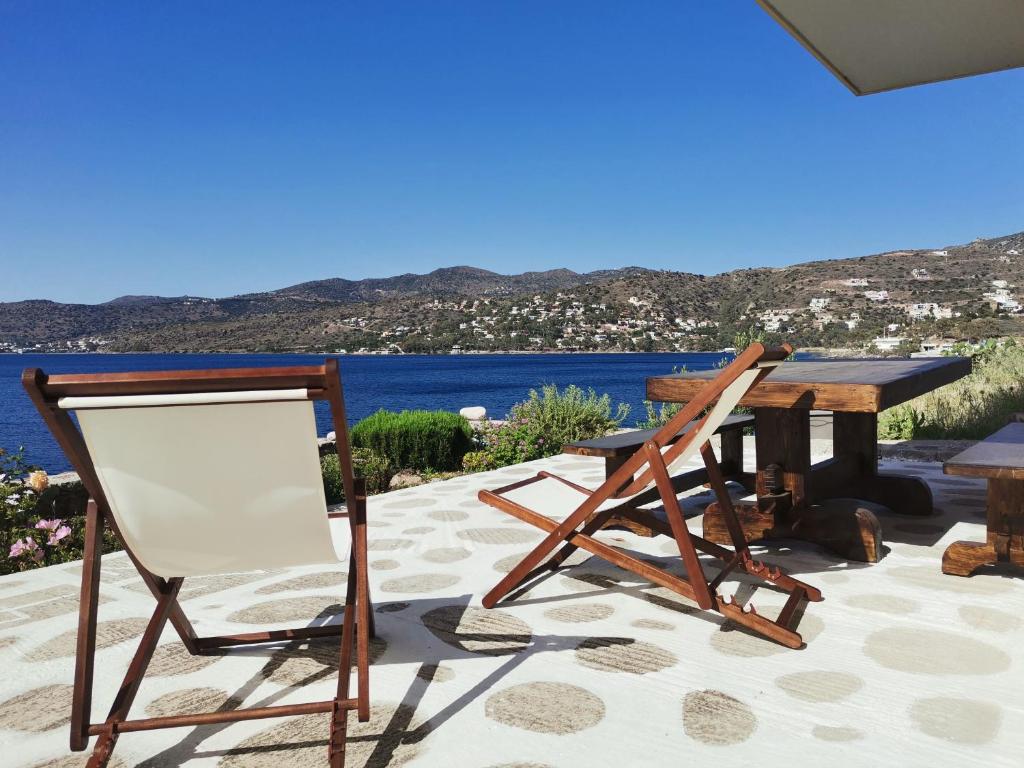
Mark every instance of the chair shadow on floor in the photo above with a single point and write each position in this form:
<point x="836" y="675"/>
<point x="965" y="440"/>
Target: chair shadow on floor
<point x="403" y="638"/>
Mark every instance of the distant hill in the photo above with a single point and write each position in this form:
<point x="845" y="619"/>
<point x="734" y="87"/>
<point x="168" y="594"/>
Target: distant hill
<point x="630" y="308"/>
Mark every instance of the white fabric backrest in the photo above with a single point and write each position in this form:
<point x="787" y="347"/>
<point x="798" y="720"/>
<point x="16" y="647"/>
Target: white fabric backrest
<point x="721" y="409"/>
<point x="211" y="483"/>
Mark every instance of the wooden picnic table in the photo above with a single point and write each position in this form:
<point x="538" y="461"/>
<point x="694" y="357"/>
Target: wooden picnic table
<point x="791" y="491"/>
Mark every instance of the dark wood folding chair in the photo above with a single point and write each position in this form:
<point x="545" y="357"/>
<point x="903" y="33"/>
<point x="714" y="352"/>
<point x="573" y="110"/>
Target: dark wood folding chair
<point x="200" y="473"/>
<point x="643" y="479"/>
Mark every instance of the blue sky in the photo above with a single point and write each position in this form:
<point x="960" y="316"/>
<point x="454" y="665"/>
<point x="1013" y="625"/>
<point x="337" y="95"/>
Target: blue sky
<point x="220" y="148"/>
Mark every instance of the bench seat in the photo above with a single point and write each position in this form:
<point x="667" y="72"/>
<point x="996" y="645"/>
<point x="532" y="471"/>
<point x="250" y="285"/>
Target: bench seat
<point x="616" y="449"/>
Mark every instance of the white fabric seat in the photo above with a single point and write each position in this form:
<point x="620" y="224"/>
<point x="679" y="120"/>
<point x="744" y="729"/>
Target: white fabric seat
<point x="212" y="483"/>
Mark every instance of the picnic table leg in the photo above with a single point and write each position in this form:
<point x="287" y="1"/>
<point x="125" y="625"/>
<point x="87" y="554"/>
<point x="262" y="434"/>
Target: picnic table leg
<point x="855" y="441"/>
<point x="783" y="440"/>
<point x="1004" y="539"/>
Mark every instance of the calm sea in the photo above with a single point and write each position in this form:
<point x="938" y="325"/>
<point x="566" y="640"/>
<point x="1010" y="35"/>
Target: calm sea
<point x="394" y="382"/>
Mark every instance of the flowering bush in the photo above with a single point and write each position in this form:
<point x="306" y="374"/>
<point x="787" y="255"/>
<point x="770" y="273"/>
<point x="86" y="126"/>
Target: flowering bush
<point x="31" y="531"/>
<point x="540" y="425"/>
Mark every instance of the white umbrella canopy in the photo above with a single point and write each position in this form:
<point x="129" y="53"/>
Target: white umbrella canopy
<point x="880" y="45"/>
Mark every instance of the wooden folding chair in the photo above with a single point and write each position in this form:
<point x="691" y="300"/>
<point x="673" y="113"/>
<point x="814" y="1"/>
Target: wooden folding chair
<point x="643" y="479"/>
<point x="200" y="473"/>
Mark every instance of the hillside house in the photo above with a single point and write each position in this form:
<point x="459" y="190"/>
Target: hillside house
<point x="888" y="343"/>
<point x="925" y="310"/>
<point x="819" y="304"/>
<point x="876" y="295"/>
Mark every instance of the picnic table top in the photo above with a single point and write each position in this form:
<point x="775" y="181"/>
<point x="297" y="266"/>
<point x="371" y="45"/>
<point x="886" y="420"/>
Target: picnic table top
<point x="1000" y="455"/>
<point x="860" y="386"/>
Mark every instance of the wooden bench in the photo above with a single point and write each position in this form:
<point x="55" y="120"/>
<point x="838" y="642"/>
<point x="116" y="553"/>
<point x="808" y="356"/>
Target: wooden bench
<point x="616" y="449"/>
<point x="1000" y="459"/>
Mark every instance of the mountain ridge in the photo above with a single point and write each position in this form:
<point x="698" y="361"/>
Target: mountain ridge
<point x="627" y="308"/>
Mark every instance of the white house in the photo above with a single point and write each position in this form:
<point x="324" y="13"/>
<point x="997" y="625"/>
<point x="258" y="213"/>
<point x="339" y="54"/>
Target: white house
<point x="888" y="343"/>
<point x="876" y="295"/>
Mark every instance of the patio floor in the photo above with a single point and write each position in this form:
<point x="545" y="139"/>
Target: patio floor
<point x="902" y="667"/>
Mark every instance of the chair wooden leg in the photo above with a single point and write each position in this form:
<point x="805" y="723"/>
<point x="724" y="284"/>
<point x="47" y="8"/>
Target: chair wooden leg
<point x="85" y="655"/>
<point x="108" y="732"/>
<point x="728" y="511"/>
<point x="362" y="604"/>
<point x="561" y="532"/>
<point x="680" y="532"/>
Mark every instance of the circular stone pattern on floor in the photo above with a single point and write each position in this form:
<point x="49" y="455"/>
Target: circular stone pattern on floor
<point x="321" y="580"/>
<point x="390" y="738"/>
<point x="478" y="630"/>
<point x="435" y="673"/>
<point x="420" y="583"/>
<point x="820" y="686"/>
<point x="108" y="633"/>
<point x="288" y="609"/>
<point x="172" y="658"/>
<point x="546" y="707"/>
<point x="897" y="606"/>
<point x="835" y="733"/>
<point x="190" y="701"/>
<point x="961" y="721"/>
<point x="580" y="612"/>
<point x="388" y="545"/>
<point x="713" y="717"/>
<point x="663" y="626"/>
<point x="419" y="529"/>
<point x="736" y="640"/>
<point x="301" y="664"/>
<point x="446" y="554"/>
<point x="414" y="503"/>
<point x="448" y="515"/>
<point x="498" y="536"/>
<point x="934" y="652"/>
<point x="37" y="710"/>
<point x="77" y="761"/>
<point x="990" y="619"/>
<point x="623" y="654"/>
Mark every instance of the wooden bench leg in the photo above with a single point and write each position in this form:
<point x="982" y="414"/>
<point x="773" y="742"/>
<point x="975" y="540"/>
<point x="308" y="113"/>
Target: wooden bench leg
<point x="732" y="453"/>
<point x="1004" y="539"/>
<point x="611" y="465"/>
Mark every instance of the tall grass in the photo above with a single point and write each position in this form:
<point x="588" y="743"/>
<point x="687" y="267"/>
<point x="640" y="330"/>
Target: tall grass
<point x="418" y="440"/>
<point x="971" y="408"/>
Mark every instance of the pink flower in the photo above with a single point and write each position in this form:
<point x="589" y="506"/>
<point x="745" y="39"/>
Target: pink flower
<point x="49" y="525"/>
<point x="58" y="534"/>
<point x="19" y="547"/>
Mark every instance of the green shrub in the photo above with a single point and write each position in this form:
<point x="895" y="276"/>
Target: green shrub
<point x="365" y="463"/>
<point x="971" y="408"/>
<point x="417" y="440"/>
<point x="540" y="425"/>
<point x="658" y="414"/>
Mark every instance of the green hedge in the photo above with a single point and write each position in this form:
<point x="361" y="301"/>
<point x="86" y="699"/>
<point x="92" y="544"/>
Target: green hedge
<point x="365" y="463"/>
<point x="417" y="440"/>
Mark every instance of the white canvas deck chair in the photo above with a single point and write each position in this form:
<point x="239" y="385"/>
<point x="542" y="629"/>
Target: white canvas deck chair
<point x="645" y="478"/>
<point x="199" y="473"/>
